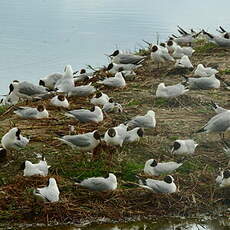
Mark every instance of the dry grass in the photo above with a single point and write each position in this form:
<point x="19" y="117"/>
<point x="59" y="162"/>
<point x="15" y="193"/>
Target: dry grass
<point x="176" y="118"/>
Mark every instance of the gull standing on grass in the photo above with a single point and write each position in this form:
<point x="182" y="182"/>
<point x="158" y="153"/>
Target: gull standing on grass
<point x="14" y="140"/>
<point x="217" y="108"/>
<point x="29" y="112"/>
<point x="154" y="168"/>
<point x="49" y="193"/>
<point x="84" y="115"/>
<point x="99" y="183"/>
<point x="146" y="121"/>
<point x="159" y="186"/>
<point x="170" y="91"/>
<point x="83" y="142"/>
<point x="220" y="123"/>
<point x="184" y="146"/>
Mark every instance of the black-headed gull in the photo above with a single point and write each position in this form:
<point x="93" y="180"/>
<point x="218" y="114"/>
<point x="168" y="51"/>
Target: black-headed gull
<point x="119" y="58"/>
<point x="170" y="91"/>
<point x="117" y="81"/>
<point x="27" y="90"/>
<point x="14" y="140"/>
<point x="84" y="115"/>
<point x="203" y="82"/>
<point x="220" y="123"/>
<point x="154" y="168"/>
<point x="66" y="83"/>
<point x="50" y="80"/>
<point x="134" y="135"/>
<point x="159" y="186"/>
<point x="82" y="91"/>
<point x="41" y="168"/>
<point x="187" y="146"/>
<point x="100" y="183"/>
<point x="99" y="99"/>
<point x="113" y="138"/>
<point x="202" y="71"/>
<point x="49" y="193"/>
<point x="146" y="121"/>
<point x="60" y="101"/>
<point x="83" y="142"/>
<point x="29" y="112"/>
<point x="226" y="179"/>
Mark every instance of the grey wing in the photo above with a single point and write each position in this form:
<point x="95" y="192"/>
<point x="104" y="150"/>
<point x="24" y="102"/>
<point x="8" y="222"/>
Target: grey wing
<point x="203" y="83"/>
<point x="130" y="59"/>
<point x="95" y="184"/>
<point x="83" y="90"/>
<point x="175" y="90"/>
<point x="221" y="124"/>
<point x="156" y="186"/>
<point x="111" y="81"/>
<point x="140" y="121"/>
<point x="19" y="144"/>
<point x="84" y="116"/>
<point x="108" y="107"/>
<point x="30" y="89"/>
<point x="44" y="192"/>
<point x="80" y="141"/>
<point x="27" y="112"/>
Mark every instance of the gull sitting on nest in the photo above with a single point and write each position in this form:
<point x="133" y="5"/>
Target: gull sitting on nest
<point x="49" y="193"/>
<point x="99" y="183"/>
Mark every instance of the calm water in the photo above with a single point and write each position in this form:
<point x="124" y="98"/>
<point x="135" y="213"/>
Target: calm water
<point x="38" y="37"/>
<point x="168" y="224"/>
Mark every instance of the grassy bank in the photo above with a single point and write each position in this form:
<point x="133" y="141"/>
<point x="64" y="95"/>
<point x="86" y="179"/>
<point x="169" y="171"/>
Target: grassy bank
<point x="176" y="119"/>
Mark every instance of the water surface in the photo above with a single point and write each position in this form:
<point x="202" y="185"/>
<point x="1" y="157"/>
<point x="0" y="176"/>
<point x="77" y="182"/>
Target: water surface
<point x="38" y="37"/>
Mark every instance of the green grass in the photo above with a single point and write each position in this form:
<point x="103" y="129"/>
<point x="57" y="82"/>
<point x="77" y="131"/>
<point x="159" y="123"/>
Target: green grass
<point x="130" y="169"/>
<point x="225" y="71"/>
<point x="3" y="108"/>
<point x="205" y="48"/>
<point x="161" y="101"/>
<point x="133" y="102"/>
<point x="191" y="166"/>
